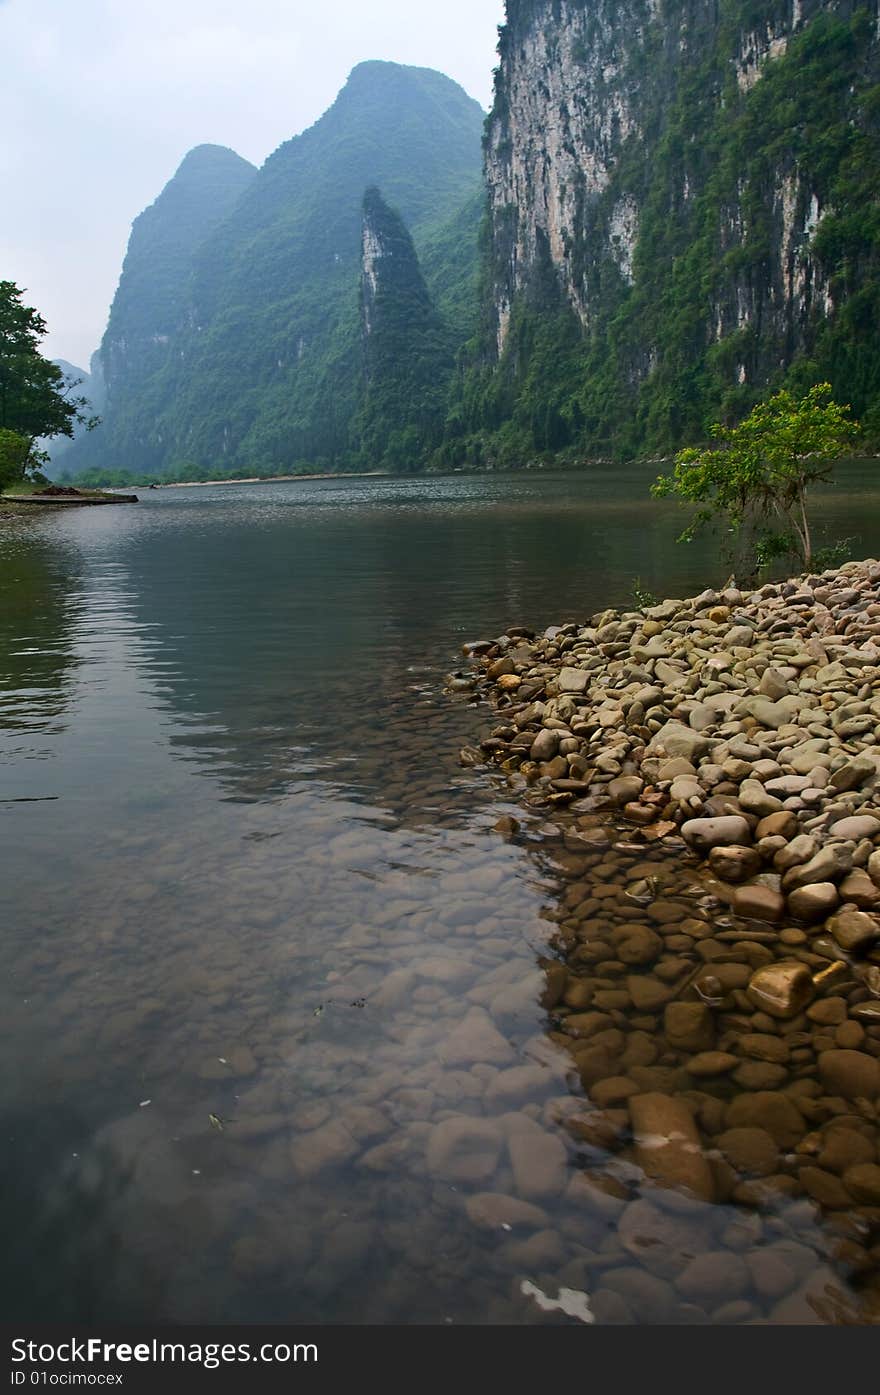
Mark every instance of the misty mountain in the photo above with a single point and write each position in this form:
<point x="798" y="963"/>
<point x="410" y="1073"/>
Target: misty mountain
<point x="234" y="341"/>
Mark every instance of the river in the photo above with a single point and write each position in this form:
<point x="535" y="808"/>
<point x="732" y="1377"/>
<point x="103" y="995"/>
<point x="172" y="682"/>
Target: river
<point x="261" y="942"/>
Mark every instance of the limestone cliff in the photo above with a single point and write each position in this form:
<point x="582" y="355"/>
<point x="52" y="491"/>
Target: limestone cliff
<point x="694" y="183"/>
<point x="407" y="348"/>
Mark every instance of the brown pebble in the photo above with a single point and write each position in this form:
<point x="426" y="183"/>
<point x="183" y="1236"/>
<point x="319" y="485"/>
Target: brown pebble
<point x="849" y="1035"/>
<point x="829" y="1012"/>
<point x="825" y="1188"/>
<point x="750" y="1150"/>
<point x="863" y="1180"/>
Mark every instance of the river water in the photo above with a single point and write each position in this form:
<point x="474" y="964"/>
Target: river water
<point x="271" y="1000"/>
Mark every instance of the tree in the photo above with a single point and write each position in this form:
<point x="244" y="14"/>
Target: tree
<point x="14" y="451"/>
<point x="35" y="396"/>
<point x="758" y="476"/>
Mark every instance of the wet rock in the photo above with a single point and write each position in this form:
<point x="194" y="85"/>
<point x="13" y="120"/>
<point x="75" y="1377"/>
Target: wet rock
<point x="825" y="1188"/>
<point x="708" y="1063"/>
<point x="526" y="1082"/>
<point x="769" y="1110"/>
<point x="771" y="1274"/>
<point x="476" y="1038"/>
<point x="538" y="1159"/>
<point x="862" y="1180"/>
<point x="782" y="825"/>
<point x="815" y="902"/>
<point x="859" y="889"/>
<point x="625" y="788"/>
<point x="664" y="1242"/>
<point x="844" y="1148"/>
<point x="854" y="931"/>
<point x="652" y="1299"/>
<point x="327" y="1147"/>
<point x="781" y="989"/>
<point x="760" y="1075"/>
<point x="637" y="944"/>
<point x="668" y="1146"/>
<point x="705" y="834"/>
<point x="616" y="1089"/>
<point x="750" y="1150"/>
<point x="735" y="864"/>
<point x="852" y="1074"/>
<point x="542" y="1251"/>
<point x="757" y="902"/>
<point x="462" y="1149"/>
<point x="689" y="1027"/>
<point x="714" y="1277"/>
<point x="764" y="1047"/>
<point x="648" y="994"/>
<point x="497" y="1211"/>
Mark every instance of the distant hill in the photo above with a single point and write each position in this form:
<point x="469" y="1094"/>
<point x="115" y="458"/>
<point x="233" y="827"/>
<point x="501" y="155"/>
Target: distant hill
<point x="89" y="385"/>
<point x="234" y="341"/>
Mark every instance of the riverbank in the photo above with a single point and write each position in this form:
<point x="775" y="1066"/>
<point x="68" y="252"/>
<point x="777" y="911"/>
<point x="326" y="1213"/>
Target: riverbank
<point x="707" y="776"/>
<point x="24" y="500"/>
<point x="274" y="479"/>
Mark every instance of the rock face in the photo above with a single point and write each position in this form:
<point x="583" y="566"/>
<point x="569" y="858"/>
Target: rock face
<point x="598" y="181"/>
<point x="407" y="348"/>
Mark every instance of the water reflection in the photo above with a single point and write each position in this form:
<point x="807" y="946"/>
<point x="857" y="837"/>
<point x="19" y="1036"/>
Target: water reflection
<point x="39" y="588"/>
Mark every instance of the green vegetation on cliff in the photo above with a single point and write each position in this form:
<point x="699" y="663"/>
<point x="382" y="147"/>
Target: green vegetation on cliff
<point x="757" y="259"/>
<point x="408" y="350"/>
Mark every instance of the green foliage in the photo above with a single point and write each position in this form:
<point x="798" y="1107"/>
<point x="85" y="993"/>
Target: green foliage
<point x="642" y="597"/>
<point x="760" y="472"/>
<point x="408" y="350"/>
<point x="34" y="395"/>
<point x="14" y="451"/>
<point x="732" y="274"/>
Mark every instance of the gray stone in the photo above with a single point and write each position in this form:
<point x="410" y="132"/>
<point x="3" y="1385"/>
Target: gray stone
<point x="462" y="1149"/>
<point x="572" y="680"/>
<point x="829" y="865"/>
<point x="675" y="739"/>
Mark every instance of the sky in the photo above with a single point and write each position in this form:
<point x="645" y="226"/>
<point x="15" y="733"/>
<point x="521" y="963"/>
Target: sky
<point x="101" y="99"/>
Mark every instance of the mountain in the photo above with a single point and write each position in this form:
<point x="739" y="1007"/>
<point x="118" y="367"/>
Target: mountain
<point x="149" y="310"/>
<point x="407" y="347"/>
<point x="80" y="383"/>
<point x="683" y="213"/>
<point x="234" y="342"/>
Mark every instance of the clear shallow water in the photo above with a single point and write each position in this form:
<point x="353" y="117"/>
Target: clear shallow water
<point x="245" y="876"/>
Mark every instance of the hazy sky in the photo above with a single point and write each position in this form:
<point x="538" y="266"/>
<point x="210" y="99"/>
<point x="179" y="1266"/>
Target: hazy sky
<point x="101" y="99"/>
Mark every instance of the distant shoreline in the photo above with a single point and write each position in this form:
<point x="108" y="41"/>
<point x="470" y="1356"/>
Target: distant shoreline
<point x="269" y="479"/>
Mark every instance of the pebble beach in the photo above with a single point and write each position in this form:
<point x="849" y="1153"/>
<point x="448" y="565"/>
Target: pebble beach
<point x="706" y="774"/>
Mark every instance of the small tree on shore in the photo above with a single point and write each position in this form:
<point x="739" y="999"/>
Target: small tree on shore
<point x="14" y="452"/>
<point x="757" y="477"/>
<point x="36" y="400"/>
